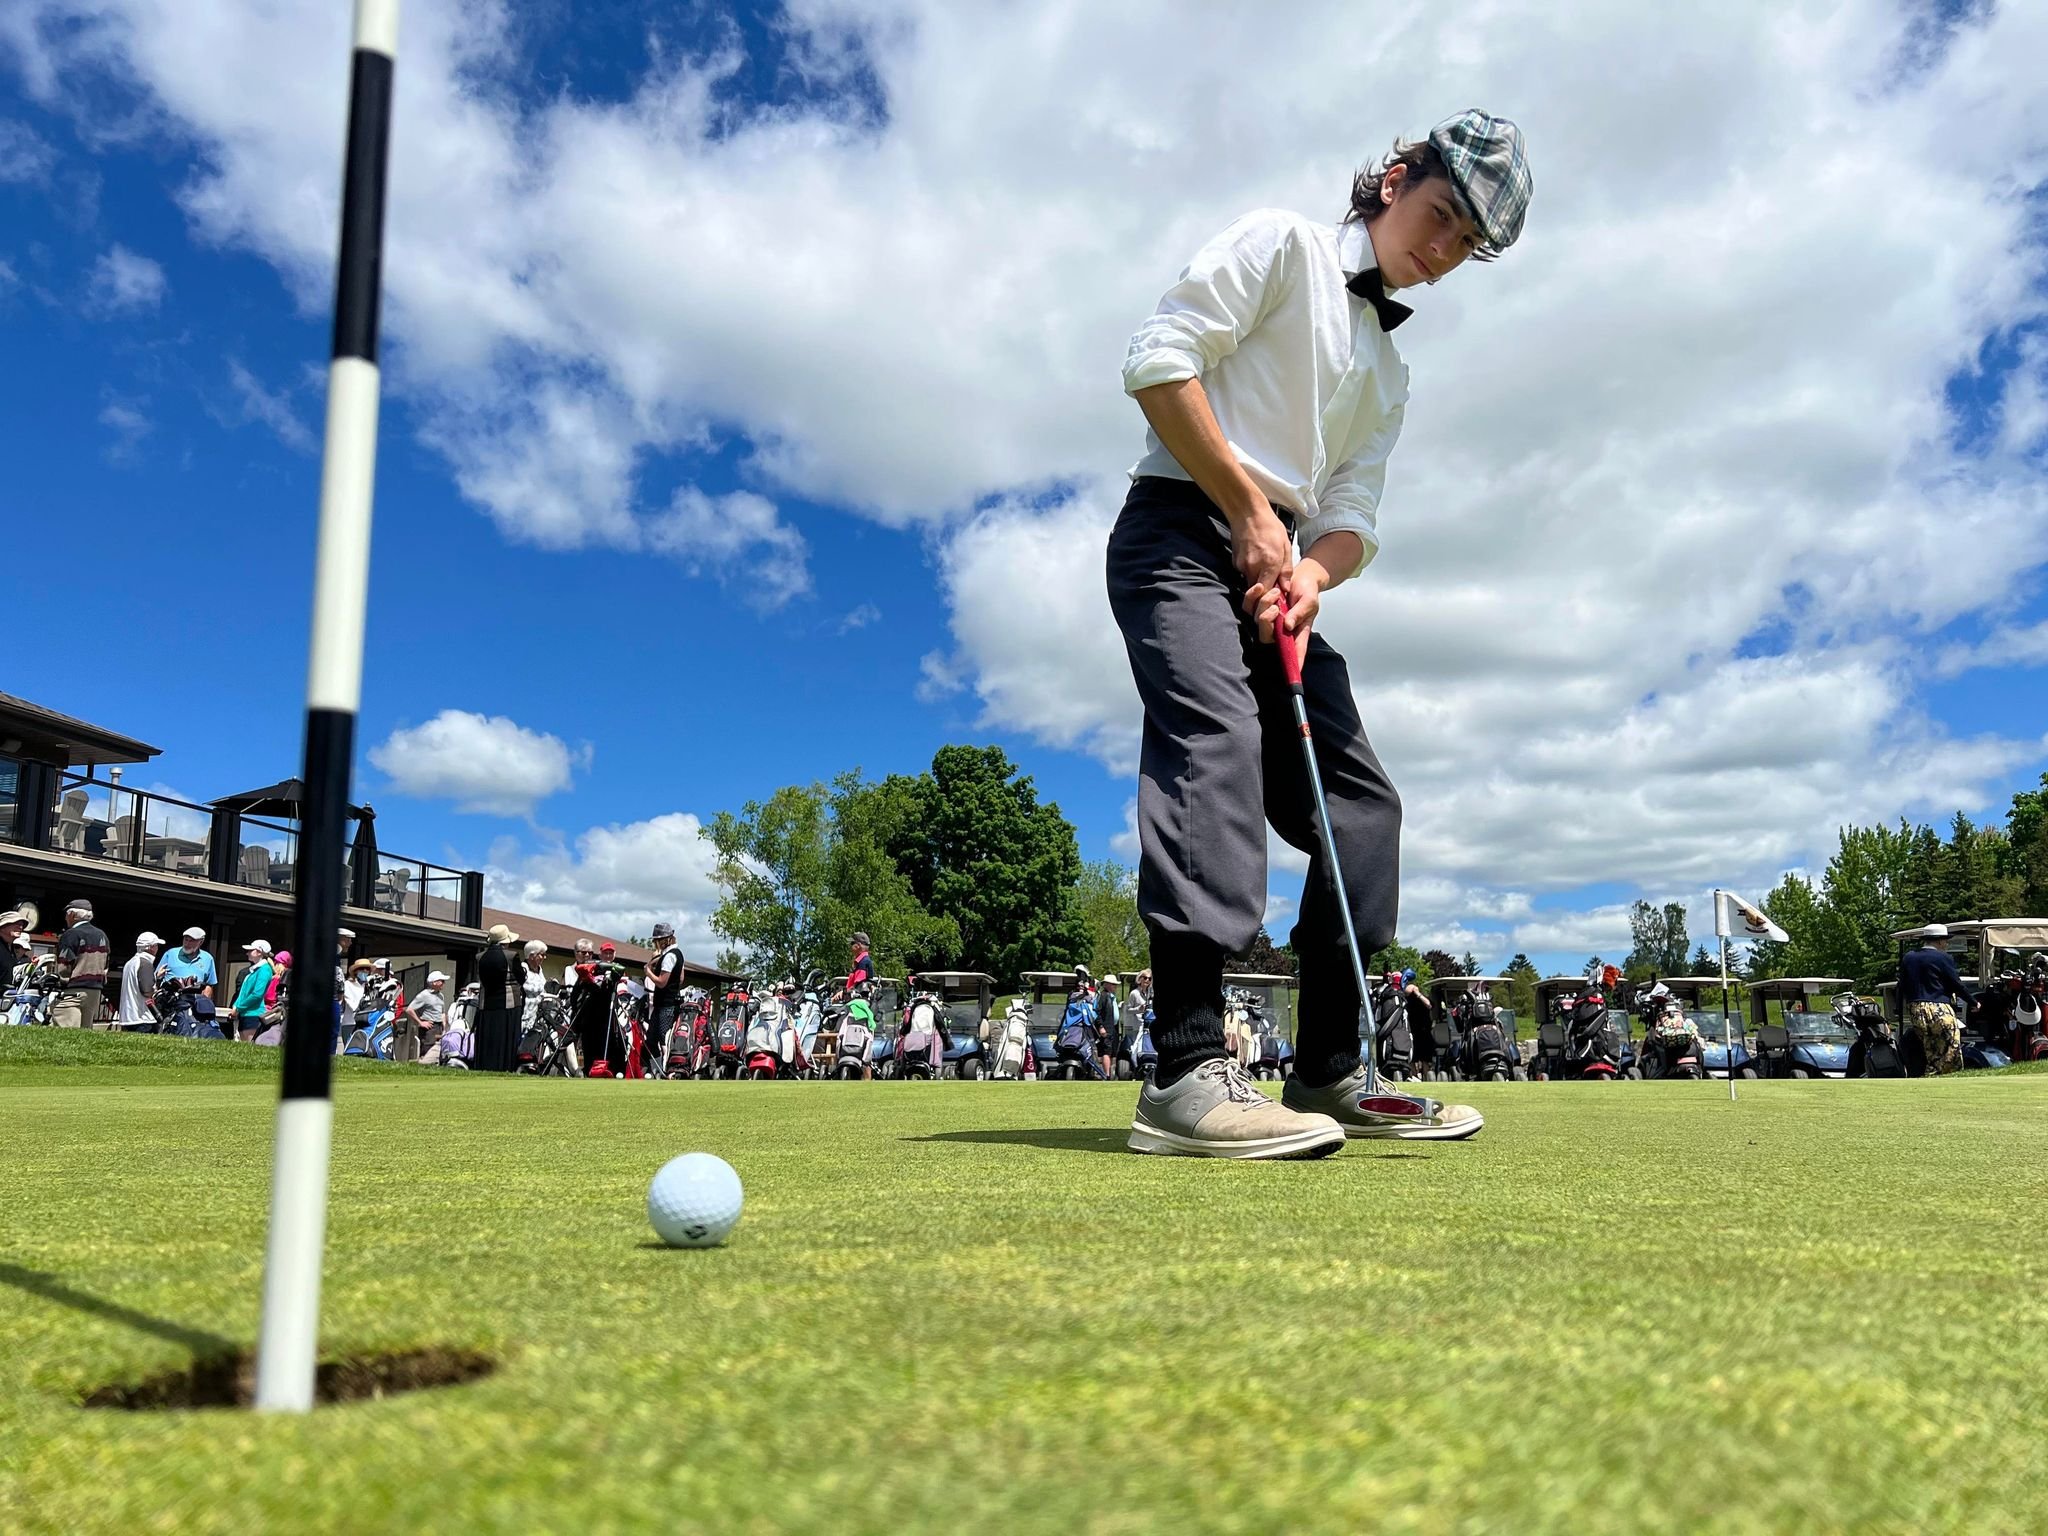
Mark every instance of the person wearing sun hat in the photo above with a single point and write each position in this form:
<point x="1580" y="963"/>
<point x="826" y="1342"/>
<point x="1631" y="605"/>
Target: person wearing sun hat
<point x="1274" y="395"/>
<point x="499" y="1002"/>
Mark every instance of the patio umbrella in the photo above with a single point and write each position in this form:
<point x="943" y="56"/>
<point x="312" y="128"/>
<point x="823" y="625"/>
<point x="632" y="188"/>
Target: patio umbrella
<point x="362" y="859"/>
<point x="280" y="799"/>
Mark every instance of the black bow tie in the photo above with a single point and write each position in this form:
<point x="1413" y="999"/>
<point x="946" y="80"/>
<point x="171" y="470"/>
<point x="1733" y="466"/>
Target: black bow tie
<point x="1367" y="286"/>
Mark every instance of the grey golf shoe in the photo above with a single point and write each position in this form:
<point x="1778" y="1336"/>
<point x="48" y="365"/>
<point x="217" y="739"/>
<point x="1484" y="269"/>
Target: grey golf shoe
<point x="1217" y="1111"/>
<point x="1384" y="1112"/>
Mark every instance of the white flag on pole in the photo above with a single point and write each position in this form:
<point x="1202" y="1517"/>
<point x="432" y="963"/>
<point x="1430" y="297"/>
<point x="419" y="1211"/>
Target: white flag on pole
<point x="1735" y="918"/>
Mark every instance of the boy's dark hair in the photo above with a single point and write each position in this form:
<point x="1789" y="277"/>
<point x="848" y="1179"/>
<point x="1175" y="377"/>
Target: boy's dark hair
<point x="1423" y="163"/>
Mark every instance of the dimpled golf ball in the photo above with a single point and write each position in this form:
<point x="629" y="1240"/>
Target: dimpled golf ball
<point x="694" y="1201"/>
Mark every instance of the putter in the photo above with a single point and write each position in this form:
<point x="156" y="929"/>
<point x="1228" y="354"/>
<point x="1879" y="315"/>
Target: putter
<point x="1408" y="1117"/>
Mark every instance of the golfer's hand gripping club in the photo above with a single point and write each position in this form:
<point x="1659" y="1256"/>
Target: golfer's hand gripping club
<point x="1290" y="664"/>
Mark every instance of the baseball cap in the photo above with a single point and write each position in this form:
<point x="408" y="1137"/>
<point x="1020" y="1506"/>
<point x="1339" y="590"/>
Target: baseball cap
<point x="145" y="938"/>
<point x="194" y="932"/>
<point x="80" y="905"/>
<point x="607" y="948"/>
<point x="434" y="976"/>
<point x="344" y="933"/>
<point x="258" y="946"/>
<point x="1489" y="165"/>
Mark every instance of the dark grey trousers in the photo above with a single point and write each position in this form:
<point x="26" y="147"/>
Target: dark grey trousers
<point x="1222" y="755"/>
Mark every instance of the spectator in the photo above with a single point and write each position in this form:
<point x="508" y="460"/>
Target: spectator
<point x="1928" y="982"/>
<point x="665" y="988"/>
<point x="533" y="978"/>
<point x="280" y="980"/>
<point x="82" y="965"/>
<point x="1109" y="1026"/>
<point x="191" y="967"/>
<point x="246" y="1023"/>
<point x="863" y="968"/>
<point x="1139" y="1000"/>
<point x="137" y="1005"/>
<point x="13" y="943"/>
<point x="586" y="953"/>
<point x="498" y="1002"/>
<point x="424" y="1018"/>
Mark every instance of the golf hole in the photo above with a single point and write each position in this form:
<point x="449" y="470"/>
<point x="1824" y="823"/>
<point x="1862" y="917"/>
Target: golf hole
<point x="229" y="1381"/>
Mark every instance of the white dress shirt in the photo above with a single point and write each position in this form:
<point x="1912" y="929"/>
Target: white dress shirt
<point x="1305" y="383"/>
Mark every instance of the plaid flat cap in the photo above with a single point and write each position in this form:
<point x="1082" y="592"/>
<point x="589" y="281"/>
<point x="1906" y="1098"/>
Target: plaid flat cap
<point x="1489" y="165"/>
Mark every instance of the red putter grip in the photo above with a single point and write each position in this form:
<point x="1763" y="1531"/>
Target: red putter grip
<point x="1290" y="648"/>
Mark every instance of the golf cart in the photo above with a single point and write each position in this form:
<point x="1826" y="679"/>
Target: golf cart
<point x="964" y="1000"/>
<point x="1481" y="1034"/>
<point x="1049" y="991"/>
<point x="1712" y="1027"/>
<point x="1262" y="1007"/>
<point x="1579" y="1036"/>
<point x="1983" y="949"/>
<point x="1809" y="1039"/>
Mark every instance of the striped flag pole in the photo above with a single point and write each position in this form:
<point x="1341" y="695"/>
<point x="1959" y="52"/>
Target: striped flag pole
<point x="334" y="673"/>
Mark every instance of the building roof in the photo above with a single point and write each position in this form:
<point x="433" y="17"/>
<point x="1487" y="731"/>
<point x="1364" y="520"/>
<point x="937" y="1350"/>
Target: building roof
<point x="48" y="736"/>
<point x="563" y="936"/>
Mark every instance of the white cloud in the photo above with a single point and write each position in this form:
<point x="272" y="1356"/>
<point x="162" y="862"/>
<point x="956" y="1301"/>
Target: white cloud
<point x="738" y="538"/>
<point x="2009" y="645"/>
<point x="485" y="763"/>
<point x="1701" y="404"/>
<point x="123" y="283"/>
<point x="617" y="880"/>
<point x="860" y="618"/>
<point x="129" y="424"/>
<point x="269" y="408"/>
<point x="25" y="159"/>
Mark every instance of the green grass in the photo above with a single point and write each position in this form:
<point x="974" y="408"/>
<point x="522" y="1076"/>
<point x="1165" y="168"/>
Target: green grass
<point x="960" y="1307"/>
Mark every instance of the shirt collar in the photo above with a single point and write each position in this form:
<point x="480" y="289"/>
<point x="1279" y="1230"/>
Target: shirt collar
<point x="1354" y="254"/>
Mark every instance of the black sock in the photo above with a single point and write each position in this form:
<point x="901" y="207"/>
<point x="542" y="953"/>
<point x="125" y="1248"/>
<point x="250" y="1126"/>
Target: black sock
<point x="1187" y="1004"/>
<point x="1326" y="1041"/>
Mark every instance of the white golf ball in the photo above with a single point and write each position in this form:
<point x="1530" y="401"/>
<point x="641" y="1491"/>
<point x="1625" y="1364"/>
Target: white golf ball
<point x="694" y="1201"/>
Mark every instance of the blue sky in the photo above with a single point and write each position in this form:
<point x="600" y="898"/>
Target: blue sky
<point x="954" y="227"/>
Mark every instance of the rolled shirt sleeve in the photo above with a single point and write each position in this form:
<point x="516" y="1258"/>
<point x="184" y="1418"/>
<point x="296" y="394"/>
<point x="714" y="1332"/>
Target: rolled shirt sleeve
<point x="1217" y="301"/>
<point x="1351" y="500"/>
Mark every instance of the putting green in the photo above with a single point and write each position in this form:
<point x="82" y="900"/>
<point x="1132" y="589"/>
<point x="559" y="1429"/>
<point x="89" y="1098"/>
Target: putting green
<point x="961" y="1306"/>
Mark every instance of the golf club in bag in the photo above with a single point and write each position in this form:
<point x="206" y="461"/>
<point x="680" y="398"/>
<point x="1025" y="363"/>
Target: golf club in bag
<point x="1409" y="1117"/>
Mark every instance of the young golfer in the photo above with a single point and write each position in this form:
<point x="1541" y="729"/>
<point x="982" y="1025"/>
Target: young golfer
<point x="1274" y="394"/>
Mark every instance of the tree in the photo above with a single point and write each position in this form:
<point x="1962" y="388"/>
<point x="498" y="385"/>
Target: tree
<point x="1265" y="958"/>
<point x="801" y="872"/>
<point x="1862" y="904"/>
<point x="2025" y="856"/>
<point x="1703" y="963"/>
<point x="1106" y="896"/>
<point x="1646" y="949"/>
<point x="1671" y="960"/>
<point x="1794" y="907"/>
<point x="730" y="960"/>
<point x="982" y="851"/>
<point x="1441" y="964"/>
<point x="1400" y="957"/>
<point x="1522" y="978"/>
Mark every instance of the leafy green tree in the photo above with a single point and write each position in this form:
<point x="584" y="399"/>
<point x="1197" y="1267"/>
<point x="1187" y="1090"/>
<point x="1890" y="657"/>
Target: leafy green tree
<point x="802" y="871"/>
<point x="2025" y="855"/>
<point x="983" y="852"/>
<point x="1703" y="963"/>
<point x="1863" y="901"/>
<point x="1795" y="907"/>
<point x="1522" y="978"/>
<point x="1265" y="958"/>
<point x="1401" y="957"/>
<point x="1107" y="898"/>
<point x="1441" y="963"/>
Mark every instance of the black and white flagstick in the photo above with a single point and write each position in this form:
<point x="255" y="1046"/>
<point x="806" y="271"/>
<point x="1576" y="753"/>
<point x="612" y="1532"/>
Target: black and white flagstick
<point x="305" y="1115"/>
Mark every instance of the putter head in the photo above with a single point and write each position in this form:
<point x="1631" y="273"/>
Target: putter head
<point x="1412" y="1117"/>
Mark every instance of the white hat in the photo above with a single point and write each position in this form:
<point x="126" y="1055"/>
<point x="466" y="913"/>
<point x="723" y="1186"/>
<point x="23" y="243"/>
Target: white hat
<point x="434" y="976"/>
<point x="257" y="946"/>
<point x="1934" y="931"/>
<point x="145" y="938"/>
<point x="194" y="932"/>
<point x="344" y="933"/>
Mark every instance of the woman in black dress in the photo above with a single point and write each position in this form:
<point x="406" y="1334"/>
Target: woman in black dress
<point x="498" y="1003"/>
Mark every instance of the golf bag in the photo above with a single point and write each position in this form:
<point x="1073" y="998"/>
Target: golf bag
<point x="2026" y="1033"/>
<point x="1076" y="1043"/>
<point x="34" y="988"/>
<point x="1487" y="1055"/>
<point x="1875" y="1052"/>
<point x="856" y="1039"/>
<point x="1009" y="1041"/>
<point x="374" y="1034"/>
<point x="921" y="1045"/>
<point x="729" y="1039"/>
<point x="1671" y="1044"/>
<point x="453" y="1049"/>
<point x="1440" y="1048"/>
<point x="185" y="1012"/>
<point x="1144" y="1054"/>
<point x="1396" y="1036"/>
<point x="689" y="1040"/>
<point x="1591" y="1052"/>
<point x="547" y="1048"/>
